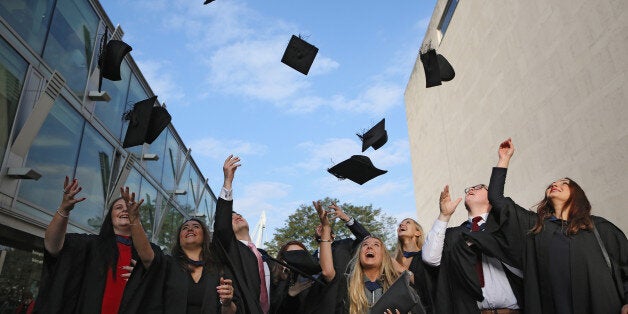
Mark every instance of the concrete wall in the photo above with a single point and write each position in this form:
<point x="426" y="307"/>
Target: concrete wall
<point x="550" y="74"/>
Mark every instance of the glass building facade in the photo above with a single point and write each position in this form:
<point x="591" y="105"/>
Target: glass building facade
<point x="75" y="136"/>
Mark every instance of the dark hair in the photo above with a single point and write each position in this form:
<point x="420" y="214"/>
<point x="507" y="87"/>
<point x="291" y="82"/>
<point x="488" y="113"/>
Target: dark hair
<point x="579" y="210"/>
<point x="108" y="242"/>
<point x="207" y="255"/>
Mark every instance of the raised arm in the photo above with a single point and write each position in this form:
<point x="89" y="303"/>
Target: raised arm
<point x="354" y="226"/>
<point x="223" y="228"/>
<point x="326" y="259"/>
<point x="432" y="250"/>
<point x="498" y="176"/>
<point x="140" y="240"/>
<point x="55" y="233"/>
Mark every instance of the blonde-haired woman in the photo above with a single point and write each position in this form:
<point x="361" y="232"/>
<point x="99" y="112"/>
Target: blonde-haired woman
<point x="410" y="238"/>
<point x="373" y="272"/>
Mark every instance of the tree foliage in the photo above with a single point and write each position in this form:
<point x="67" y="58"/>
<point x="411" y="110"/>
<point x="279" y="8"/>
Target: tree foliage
<point x="301" y="225"/>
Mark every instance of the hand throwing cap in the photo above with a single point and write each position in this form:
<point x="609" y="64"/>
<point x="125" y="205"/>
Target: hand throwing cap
<point x="400" y="296"/>
<point x="436" y="68"/>
<point x="299" y="54"/>
<point x="358" y="169"/>
<point x="146" y="122"/>
<point x="376" y="136"/>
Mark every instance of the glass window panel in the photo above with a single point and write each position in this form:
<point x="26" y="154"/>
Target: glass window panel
<point x="172" y="160"/>
<point x="155" y="167"/>
<point x="53" y="154"/>
<point x="449" y="12"/>
<point x="185" y="201"/>
<point x="93" y="171"/>
<point x="207" y="207"/>
<point x="110" y="113"/>
<point x="12" y="72"/>
<point x="29" y="18"/>
<point x="147" y="210"/>
<point x="70" y="44"/>
<point x="168" y="234"/>
<point x="20" y="272"/>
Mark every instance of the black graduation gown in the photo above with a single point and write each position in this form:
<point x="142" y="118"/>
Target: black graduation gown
<point x="74" y="281"/>
<point x="237" y="257"/>
<point x="177" y="286"/>
<point x="425" y="277"/>
<point x="458" y="287"/>
<point x="595" y="288"/>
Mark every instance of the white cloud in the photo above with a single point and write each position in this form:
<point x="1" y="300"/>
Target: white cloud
<point x="159" y="75"/>
<point x="218" y="149"/>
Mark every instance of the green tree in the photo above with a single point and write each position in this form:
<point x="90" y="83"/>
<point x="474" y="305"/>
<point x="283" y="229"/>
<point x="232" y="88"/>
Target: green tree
<point x="301" y="225"/>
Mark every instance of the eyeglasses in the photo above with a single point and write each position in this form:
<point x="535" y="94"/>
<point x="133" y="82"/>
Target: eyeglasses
<point x="475" y="188"/>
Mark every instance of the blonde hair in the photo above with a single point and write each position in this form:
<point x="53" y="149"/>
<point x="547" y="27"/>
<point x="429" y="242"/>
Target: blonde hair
<point x="418" y="240"/>
<point x="358" y="303"/>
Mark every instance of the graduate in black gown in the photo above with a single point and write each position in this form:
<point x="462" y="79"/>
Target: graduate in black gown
<point x="85" y="273"/>
<point x="196" y="282"/>
<point x="410" y="238"/>
<point x="251" y="273"/>
<point x="372" y="273"/>
<point x="564" y="264"/>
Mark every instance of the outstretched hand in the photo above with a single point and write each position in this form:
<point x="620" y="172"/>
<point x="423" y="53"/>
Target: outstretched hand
<point x="322" y="214"/>
<point x="505" y="152"/>
<point x="70" y="189"/>
<point x="132" y="206"/>
<point x="229" y="168"/>
<point x="338" y="212"/>
<point x="447" y="206"/>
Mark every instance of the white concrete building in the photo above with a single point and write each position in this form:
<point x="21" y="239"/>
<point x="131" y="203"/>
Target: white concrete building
<point x="553" y="75"/>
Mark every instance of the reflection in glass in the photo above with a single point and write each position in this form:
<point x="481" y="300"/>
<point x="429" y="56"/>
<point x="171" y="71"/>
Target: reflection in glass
<point x="172" y="160"/>
<point x="12" y="71"/>
<point x="29" y="18"/>
<point x="168" y="234"/>
<point x="206" y="208"/>
<point x="110" y="113"/>
<point x="21" y="270"/>
<point x="70" y="44"/>
<point x="94" y="172"/>
<point x="155" y="167"/>
<point x="53" y="154"/>
<point x="148" y="208"/>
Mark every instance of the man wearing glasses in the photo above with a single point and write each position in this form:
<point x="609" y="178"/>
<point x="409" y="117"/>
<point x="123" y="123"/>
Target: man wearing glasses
<point x="471" y="279"/>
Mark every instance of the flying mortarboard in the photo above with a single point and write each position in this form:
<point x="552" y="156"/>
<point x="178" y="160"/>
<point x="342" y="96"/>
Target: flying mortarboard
<point x="358" y="169"/>
<point x="299" y="54"/>
<point x="302" y="260"/>
<point x="400" y="296"/>
<point x="146" y="122"/>
<point x="437" y="68"/>
<point x="110" y="58"/>
<point x="375" y="137"/>
<point x="208" y="1"/>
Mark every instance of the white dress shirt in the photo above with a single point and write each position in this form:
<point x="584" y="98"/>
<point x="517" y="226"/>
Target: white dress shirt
<point x="496" y="291"/>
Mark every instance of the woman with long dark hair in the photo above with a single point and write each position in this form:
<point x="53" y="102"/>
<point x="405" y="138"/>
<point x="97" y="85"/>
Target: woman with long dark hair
<point x="85" y="273"/>
<point x="573" y="262"/>
<point x="196" y="281"/>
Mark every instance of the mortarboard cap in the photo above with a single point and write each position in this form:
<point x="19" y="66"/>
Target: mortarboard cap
<point x="299" y="54"/>
<point x="437" y="68"/>
<point x="208" y="1"/>
<point x="115" y="50"/>
<point x="146" y="122"/>
<point x="400" y="296"/>
<point x="159" y="120"/>
<point x="302" y="260"/>
<point x="375" y="137"/>
<point x="358" y="169"/>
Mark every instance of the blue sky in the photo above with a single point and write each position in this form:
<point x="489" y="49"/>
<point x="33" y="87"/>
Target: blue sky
<point x="217" y="67"/>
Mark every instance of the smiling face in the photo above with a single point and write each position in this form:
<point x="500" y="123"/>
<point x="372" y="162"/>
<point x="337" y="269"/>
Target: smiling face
<point x="408" y="228"/>
<point x="476" y="196"/>
<point x="191" y="234"/>
<point x="238" y="223"/>
<point x="559" y="190"/>
<point x="120" y="217"/>
<point x="371" y="253"/>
